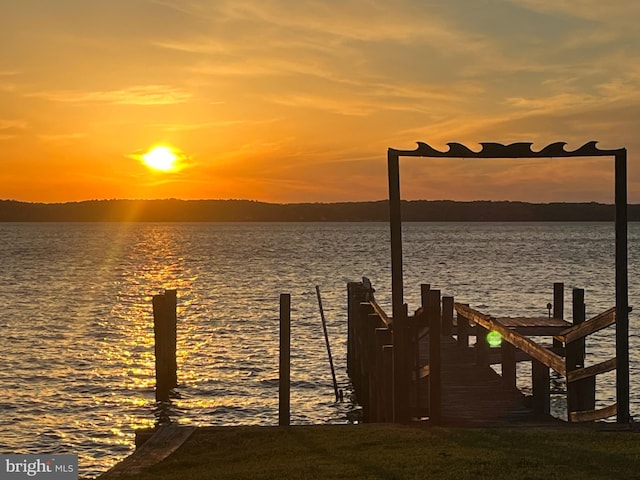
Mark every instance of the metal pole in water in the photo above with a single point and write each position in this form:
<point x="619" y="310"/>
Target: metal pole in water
<point x="326" y="338"/>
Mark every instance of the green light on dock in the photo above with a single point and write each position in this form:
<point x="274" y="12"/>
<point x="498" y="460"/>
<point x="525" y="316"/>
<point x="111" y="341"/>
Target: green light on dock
<point x="494" y="339"/>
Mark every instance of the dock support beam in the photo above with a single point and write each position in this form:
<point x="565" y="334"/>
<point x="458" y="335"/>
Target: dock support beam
<point x="284" y="397"/>
<point x="433" y="311"/>
<point x="541" y="388"/>
<point x="400" y="317"/>
<point x="164" y="329"/>
<point x="622" y="300"/>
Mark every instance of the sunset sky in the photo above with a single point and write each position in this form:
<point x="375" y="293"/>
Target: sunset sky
<point x="298" y="101"/>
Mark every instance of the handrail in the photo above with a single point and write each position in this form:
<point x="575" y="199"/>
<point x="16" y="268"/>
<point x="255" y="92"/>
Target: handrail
<point x="581" y="330"/>
<point x="388" y="321"/>
<point x="592" y="415"/>
<point x="592" y="370"/>
<point x="540" y="353"/>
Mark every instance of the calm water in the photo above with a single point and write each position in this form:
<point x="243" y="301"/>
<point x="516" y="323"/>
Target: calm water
<point x="76" y="325"/>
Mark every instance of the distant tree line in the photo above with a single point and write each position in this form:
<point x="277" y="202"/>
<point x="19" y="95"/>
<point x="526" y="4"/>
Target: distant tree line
<point x="173" y="210"/>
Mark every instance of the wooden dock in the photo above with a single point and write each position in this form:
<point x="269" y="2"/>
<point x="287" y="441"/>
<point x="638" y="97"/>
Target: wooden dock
<point x="440" y="378"/>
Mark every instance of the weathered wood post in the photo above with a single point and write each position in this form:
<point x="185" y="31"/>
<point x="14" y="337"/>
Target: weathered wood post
<point x="622" y="289"/>
<point x="164" y="329"/>
<point x="573" y="354"/>
<point x="435" y="363"/>
<point x="482" y="346"/>
<point x="384" y="382"/>
<point x="356" y="294"/>
<point x="284" y="390"/>
<point x="508" y="352"/>
<point x="401" y="366"/>
<point x="421" y="321"/>
<point x="387" y="362"/>
<point x="558" y="306"/>
<point x="447" y="315"/>
<point x="541" y="388"/>
<point x="365" y="336"/>
<point x="463" y="330"/>
<point x="373" y="321"/>
<point x="581" y="394"/>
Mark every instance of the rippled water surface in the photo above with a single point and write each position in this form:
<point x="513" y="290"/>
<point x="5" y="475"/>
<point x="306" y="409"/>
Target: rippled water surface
<point x="76" y="328"/>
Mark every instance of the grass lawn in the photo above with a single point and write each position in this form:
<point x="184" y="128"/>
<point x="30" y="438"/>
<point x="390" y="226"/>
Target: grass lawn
<point x="399" y="452"/>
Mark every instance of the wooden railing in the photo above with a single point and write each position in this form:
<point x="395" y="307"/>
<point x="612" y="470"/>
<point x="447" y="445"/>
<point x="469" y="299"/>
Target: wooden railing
<point x="581" y="382"/>
<point x="397" y="384"/>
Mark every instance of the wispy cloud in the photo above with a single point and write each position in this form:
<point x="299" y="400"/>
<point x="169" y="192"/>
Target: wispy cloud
<point x="135" y="95"/>
<point x="12" y="124"/>
<point x="186" y="127"/>
<point x="62" y="137"/>
<point x="619" y="11"/>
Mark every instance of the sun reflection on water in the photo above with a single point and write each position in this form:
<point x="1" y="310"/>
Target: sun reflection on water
<point x="86" y="290"/>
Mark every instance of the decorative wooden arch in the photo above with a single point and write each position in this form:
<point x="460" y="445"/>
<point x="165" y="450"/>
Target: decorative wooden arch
<point x="514" y="151"/>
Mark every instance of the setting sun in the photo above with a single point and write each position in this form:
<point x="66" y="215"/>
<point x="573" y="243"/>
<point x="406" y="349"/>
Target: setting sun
<point x="161" y="158"/>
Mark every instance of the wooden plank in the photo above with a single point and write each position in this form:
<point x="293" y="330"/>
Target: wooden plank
<point x="540" y="353"/>
<point x="383" y="316"/>
<point x="475" y="396"/>
<point x="593" y="415"/>
<point x="594" y="324"/>
<point x="165" y="440"/>
<point x="591" y="371"/>
<point x="516" y="322"/>
<point x="535" y="326"/>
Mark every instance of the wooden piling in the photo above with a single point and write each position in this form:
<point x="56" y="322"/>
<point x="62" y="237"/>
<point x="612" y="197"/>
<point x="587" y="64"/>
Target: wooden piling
<point x="508" y="352"/>
<point x="558" y="307"/>
<point x="579" y="316"/>
<point x="541" y="388"/>
<point x="365" y="335"/>
<point x="356" y="294"/>
<point x="432" y="308"/>
<point x="421" y="322"/>
<point x="482" y="346"/>
<point x="384" y="381"/>
<point x="622" y="288"/>
<point x="387" y="358"/>
<point x="463" y="330"/>
<point x="401" y="366"/>
<point x="574" y="357"/>
<point x="284" y="391"/>
<point x="580" y="393"/>
<point x="164" y="329"/>
<point x="447" y="315"/>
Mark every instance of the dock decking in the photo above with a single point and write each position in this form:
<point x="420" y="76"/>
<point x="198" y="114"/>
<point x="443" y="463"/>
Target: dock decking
<point x="440" y="378"/>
